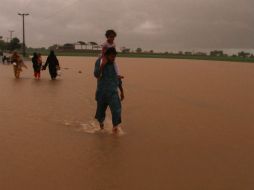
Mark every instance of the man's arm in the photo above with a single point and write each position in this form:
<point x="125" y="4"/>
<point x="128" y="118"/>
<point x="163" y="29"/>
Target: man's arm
<point x="120" y="86"/>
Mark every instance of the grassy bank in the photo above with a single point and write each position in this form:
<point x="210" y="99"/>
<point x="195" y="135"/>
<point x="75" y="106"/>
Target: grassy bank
<point x="152" y="55"/>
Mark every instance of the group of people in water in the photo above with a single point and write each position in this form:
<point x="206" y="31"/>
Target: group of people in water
<point x="106" y="71"/>
<point x="52" y="62"/>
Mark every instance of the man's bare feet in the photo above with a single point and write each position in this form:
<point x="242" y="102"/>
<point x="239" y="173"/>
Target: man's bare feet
<point x="115" y="130"/>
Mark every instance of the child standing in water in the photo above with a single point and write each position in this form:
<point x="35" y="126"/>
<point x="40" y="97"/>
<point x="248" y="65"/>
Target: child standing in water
<point x="110" y="35"/>
<point x="37" y="64"/>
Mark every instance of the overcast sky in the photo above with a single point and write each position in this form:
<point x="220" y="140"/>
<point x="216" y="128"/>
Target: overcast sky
<point x="150" y="24"/>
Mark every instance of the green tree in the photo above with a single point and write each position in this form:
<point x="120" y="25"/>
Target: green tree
<point x="217" y="53"/>
<point x="243" y="54"/>
<point x="2" y="45"/>
<point x="14" y="44"/>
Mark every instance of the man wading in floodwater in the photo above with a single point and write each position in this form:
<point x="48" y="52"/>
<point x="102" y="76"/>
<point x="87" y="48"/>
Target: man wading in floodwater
<point x="107" y="90"/>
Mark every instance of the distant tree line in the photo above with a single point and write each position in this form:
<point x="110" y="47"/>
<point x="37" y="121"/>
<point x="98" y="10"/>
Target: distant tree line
<point x="14" y="44"/>
<point x="95" y="47"/>
<point x="214" y="53"/>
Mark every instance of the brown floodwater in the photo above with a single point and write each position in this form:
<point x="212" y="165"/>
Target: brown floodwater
<point x="186" y="125"/>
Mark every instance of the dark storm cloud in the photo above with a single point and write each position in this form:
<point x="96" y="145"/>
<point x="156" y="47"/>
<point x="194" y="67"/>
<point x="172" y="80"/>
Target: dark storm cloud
<point x="151" y="24"/>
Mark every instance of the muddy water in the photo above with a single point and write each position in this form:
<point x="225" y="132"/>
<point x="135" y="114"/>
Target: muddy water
<point x="187" y="125"/>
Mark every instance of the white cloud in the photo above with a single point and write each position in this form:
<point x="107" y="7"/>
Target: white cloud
<point x="148" y="27"/>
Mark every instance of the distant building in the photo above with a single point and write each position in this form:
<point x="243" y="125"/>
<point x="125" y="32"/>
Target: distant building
<point x="217" y="53"/>
<point x="200" y="54"/>
<point x="91" y="47"/>
<point x="187" y="53"/>
<point x="244" y="54"/>
<point x="67" y="46"/>
<point x="64" y="47"/>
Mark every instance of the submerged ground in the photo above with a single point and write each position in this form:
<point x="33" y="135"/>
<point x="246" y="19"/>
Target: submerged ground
<point x="187" y="125"/>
